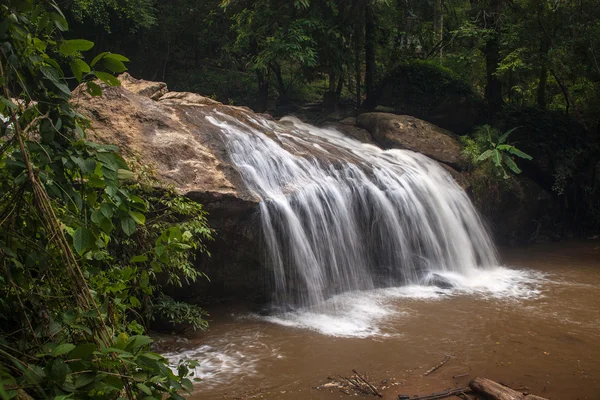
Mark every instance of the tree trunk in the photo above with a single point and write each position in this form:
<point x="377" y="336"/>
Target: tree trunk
<point x="281" y="89"/>
<point x="357" y="64"/>
<point x="541" y="90"/>
<point x="263" y="91"/>
<point x="164" y="71"/>
<point x="332" y="81"/>
<point x="438" y="24"/>
<point x="370" y="43"/>
<point x="493" y="88"/>
<point x="340" y="86"/>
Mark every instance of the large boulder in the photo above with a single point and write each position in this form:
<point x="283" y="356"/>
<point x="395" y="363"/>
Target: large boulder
<point x="406" y="132"/>
<point x="168" y="134"/>
<point x="517" y="210"/>
<point x="430" y="92"/>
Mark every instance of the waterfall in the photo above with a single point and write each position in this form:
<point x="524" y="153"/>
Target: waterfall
<point x="339" y="215"/>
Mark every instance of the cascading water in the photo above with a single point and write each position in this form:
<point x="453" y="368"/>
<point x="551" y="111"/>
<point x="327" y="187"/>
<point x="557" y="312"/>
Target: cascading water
<point x="339" y="215"/>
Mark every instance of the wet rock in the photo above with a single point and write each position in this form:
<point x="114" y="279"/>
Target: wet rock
<point x="406" y="132"/>
<point x="438" y="281"/>
<point x="348" y="121"/>
<point x="518" y="217"/>
<point x="360" y="134"/>
<point x="172" y="139"/>
<point x="274" y="309"/>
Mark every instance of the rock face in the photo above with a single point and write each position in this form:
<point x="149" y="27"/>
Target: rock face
<point x="168" y="134"/>
<point x="517" y="216"/>
<point x="406" y="132"/>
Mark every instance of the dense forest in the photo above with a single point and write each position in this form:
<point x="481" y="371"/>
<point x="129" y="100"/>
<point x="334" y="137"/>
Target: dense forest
<point x="458" y="64"/>
<point x="87" y="239"/>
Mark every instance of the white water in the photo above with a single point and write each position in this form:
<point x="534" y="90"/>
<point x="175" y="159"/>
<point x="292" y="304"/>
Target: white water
<point x="379" y="314"/>
<point x="341" y="216"/>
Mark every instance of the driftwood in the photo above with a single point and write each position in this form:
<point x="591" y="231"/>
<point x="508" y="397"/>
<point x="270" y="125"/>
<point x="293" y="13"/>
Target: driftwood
<point x="438" y="395"/>
<point x="495" y="391"/>
<point x="353" y="384"/>
<point x="461" y="375"/>
<point x="444" y="361"/>
<point x="373" y="389"/>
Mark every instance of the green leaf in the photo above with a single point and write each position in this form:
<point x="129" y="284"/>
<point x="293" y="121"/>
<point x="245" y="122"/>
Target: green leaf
<point x="71" y="47"/>
<point x="485" y="155"/>
<point x="134" y="302"/>
<point x="144" y="389"/>
<point x="53" y="76"/>
<point x="108" y="160"/>
<point x="520" y="154"/>
<point x="124" y="174"/>
<point x="59" y="21"/>
<point x="82" y="239"/>
<point x="62" y="349"/>
<point x="85" y="165"/>
<point x="83" y="351"/>
<point x="84" y="380"/>
<point x="98" y="58"/>
<point x="138" y="259"/>
<point x="8" y="103"/>
<point x="504" y="137"/>
<point x="79" y="67"/>
<point x="107" y="210"/>
<point x="118" y="57"/>
<point x="128" y="226"/>
<point x="94" y="89"/>
<point x="138" y="217"/>
<point x="59" y="371"/>
<point x="496" y="158"/>
<point x="115" y="66"/>
<point x="108" y="78"/>
<point x="138" y="341"/>
<point x="511" y="164"/>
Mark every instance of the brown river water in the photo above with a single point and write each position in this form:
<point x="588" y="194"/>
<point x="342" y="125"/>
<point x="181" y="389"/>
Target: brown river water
<point x="534" y="326"/>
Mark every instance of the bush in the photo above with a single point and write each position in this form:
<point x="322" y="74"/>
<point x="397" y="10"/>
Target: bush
<point x="227" y="86"/>
<point x="429" y="91"/>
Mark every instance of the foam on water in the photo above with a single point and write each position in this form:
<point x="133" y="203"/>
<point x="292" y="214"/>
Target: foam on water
<point x="363" y="314"/>
<point x="358" y="314"/>
<point x="235" y="354"/>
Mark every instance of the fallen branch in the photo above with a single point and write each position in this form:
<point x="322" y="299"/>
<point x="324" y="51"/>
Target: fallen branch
<point x="460" y="376"/>
<point x="444" y="361"/>
<point x="496" y="391"/>
<point x="438" y="395"/>
<point x="373" y="388"/>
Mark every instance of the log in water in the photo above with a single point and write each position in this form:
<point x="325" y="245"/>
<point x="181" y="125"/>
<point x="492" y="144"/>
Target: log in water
<point x="339" y="215"/>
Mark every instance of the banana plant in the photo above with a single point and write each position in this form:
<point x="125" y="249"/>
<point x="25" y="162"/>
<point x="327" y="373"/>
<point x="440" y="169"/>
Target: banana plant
<point x="501" y="153"/>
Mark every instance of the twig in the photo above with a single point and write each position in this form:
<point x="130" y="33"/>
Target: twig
<point x="375" y="392"/>
<point x="438" y="395"/>
<point x="444" y="361"/>
<point x="460" y="376"/>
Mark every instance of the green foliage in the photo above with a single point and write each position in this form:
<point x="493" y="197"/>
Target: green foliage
<point x="226" y="85"/>
<point x="180" y="314"/>
<point x="81" y="242"/>
<point x="103" y="13"/>
<point x="418" y="87"/>
<point x="490" y="146"/>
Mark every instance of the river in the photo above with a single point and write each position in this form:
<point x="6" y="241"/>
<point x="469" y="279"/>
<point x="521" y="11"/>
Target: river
<point x="534" y="325"/>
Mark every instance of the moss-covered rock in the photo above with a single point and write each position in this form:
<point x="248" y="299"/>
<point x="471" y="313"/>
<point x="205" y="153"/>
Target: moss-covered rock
<point x="431" y="92"/>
